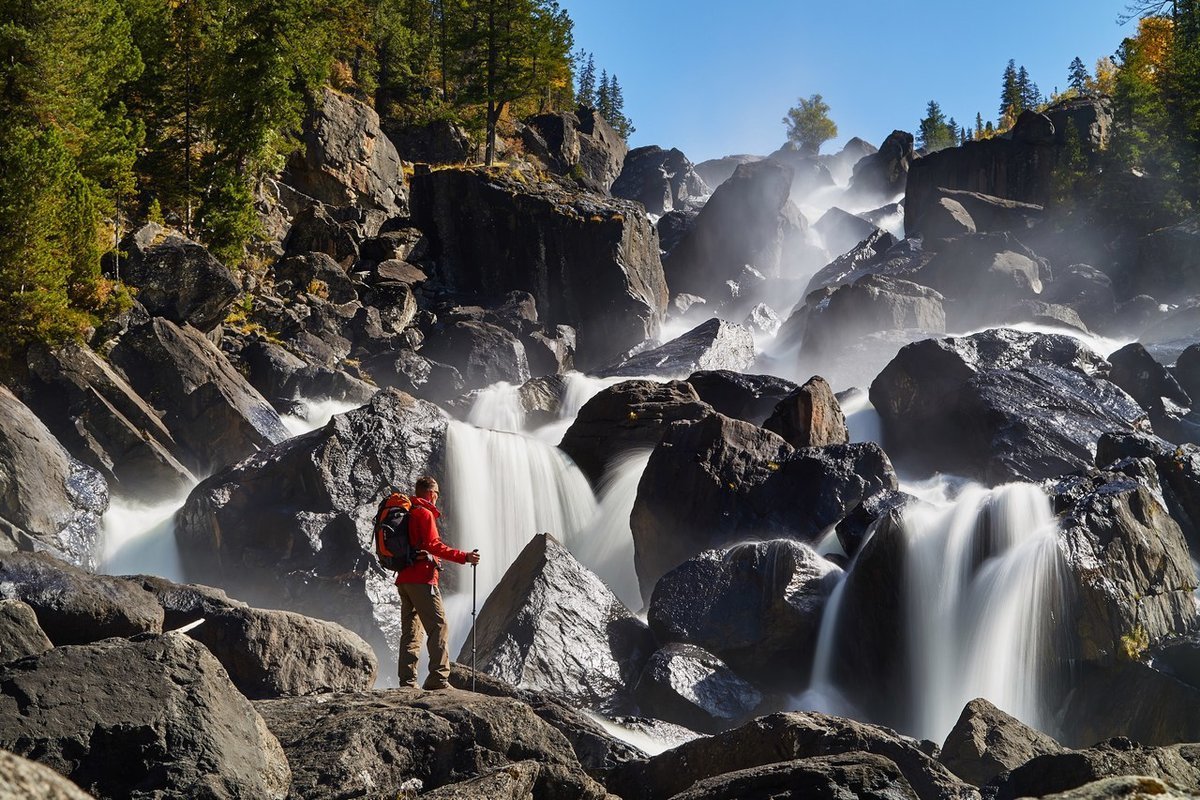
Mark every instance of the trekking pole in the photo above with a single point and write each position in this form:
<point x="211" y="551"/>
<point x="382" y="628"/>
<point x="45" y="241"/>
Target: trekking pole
<point x="474" y="589"/>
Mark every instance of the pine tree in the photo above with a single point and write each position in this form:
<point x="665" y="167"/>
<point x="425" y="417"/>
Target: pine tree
<point x="603" y="98"/>
<point x="1026" y="90"/>
<point x="586" y="96"/>
<point x="1078" y="77"/>
<point x="616" y="96"/>
<point x="808" y="124"/>
<point x="1010" y="94"/>
<point x="935" y="132"/>
<point x="978" y="125"/>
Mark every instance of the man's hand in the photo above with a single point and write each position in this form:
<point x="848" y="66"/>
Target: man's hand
<point x="473" y="557"/>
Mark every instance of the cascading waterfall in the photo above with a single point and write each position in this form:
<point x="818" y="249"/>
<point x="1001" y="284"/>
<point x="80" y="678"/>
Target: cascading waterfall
<point x="314" y="414"/>
<point x="499" y="407"/>
<point x="606" y="545"/>
<point x="985" y="607"/>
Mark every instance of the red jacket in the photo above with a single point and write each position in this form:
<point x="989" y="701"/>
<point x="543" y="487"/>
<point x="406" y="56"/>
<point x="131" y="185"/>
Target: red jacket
<point x="423" y="535"/>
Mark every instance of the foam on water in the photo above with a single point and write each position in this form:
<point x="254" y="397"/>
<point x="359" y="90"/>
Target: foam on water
<point x="314" y="413"/>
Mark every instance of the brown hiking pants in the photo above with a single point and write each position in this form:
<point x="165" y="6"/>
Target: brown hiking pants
<point x="421" y="607"/>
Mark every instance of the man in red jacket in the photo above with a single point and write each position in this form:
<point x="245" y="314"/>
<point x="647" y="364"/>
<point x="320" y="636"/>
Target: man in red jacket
<point x="420" y="600"/>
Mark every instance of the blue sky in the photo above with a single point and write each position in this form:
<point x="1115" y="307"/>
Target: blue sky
<point x="714" y="78"/>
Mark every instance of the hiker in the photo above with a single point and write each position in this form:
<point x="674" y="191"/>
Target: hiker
<point x="420" y="599"/>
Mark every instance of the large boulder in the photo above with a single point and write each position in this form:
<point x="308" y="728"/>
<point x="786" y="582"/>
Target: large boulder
<point x="388" y="743"/>
<point x="990" y="214"/>
<point x="757" y="606"/>
<point x="781" y="738"/>
<point x="810" y="416"/>
<point x="1166" y="264"/>
<point x="715" y="344"/>
<point x="982" y="276"/>
<point x="841" y="231"/>
<point x="177" y="278"/>
<point x="267" y="653"/>
<point x="631" y="415"/>
<point x="841" y="164"/>
<point x="1134" y="699"/>
<point x="156" y="717"/>
<point x="20" y="634"/>
<point x="208" y="407"/>
<point x="882" y="175"/>
<point x="746" y="221"/>
<point x="717" y="481"/>
<point x="661" y="180"/>
<point x="1000" y="405"/>
<point x="313" y="273"/>
<point x="582" y="146"/>
<point x="29" y="780"/>
<point x="835" y="319"/>
<point x="1178" y="766"/>
<point x="412" y="373"/>
<point x="716" y="171"/>
<point x="1178" y="468"/>
<point x="434" y="142"/>
<point x="862" y="776"/>
<point x="74" y="606"/>
<point x="1153" y="387"/>
<point x="98" y="416"/>
<point x="809" y="173"/>
<point x="290" y="527"/>
<point x="48" y="500"/>
<point x="481" y="352"/>
<point x="857" y="262"/>
<point x="986" y="742"/>
<point x="687" y="685"/>
<point x="552" y="625"/>
<point x="591" y="262"/>
<point x="1131" y="571"/>
<point x="739" y="395"/>
<point x="347" y="160"/>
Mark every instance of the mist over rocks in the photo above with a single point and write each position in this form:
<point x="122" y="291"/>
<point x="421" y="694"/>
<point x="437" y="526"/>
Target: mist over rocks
<point x="711" y="345"/>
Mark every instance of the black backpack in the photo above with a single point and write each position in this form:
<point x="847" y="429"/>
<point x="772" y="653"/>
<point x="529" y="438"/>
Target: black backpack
<point x="392" y="545"/>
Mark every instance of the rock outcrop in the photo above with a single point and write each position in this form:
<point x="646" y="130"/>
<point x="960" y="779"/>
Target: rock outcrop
<point x="739" y="395"/>
<point x="883" y="174"/>
<point x="810" y="416"/>
<point x="581" y="146"/>
<point x="687" y="685"/>
<point x="711" y="345"/>
<point x="986" y="742"/>
<point x="1178" y="766"/>
<point x="863" y="776"/>
<point x="661" y="180"/>
<point x="20" y="634"/>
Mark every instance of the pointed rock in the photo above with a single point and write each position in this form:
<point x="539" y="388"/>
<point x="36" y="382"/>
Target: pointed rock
<point x="986" y="742"/>
<point x="810" y="416"/>
<point x="20" y="634"/>
<point x="689" y="686"/>
<point x="711" y="345"/>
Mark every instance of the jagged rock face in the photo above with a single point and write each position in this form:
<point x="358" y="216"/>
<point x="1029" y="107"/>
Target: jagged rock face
<point x="412" y="373"/>
<point x="834" y="319"/>
<point x="590" y="262"/>
<point x="673" y="226"/>
<point x="177" y="278"/>
<point x="282" y="377"/>
<point x="986" y="742"/>
<point x="347" y="160"/>
<point x="777" y="740"/>
<point x="582" y="146"/>
<point x="756" y="606"/>
<point x="717" y="481"/>
<point x="1178" y="468"/>
<point x="735" y="394"/>
<point x="746" y="221"/>
<point x="48" y="500"/>
<point x="29" y="780"/>
<point x="1165" y="263"/>
<point x="982" y="275"/>
<point x="1131" y="699"/>
<point x="711" y="345"/>
<point x="853" y="264"/>
<point x="74" y="606"/>
<point x="482" y="353"/>
<point x="290" y="527"/>
<point x="20" y="634"/>
<point x="98" y="416"/>
<point x="207" y="405"/>
<point x="1019" y="167"/>
<point x="303" y="273"/>
<point x="688" y="685"/>
<point x="1132" y="574"/>
<point x="552" y="625"/>
<point x="990" y="214"/>
<point x="661" y="180"/>
<point x="1152" y="386"/>
<point x="436" y="142"/>
<point x="627" y="416"/>
<point x="842" y="231"/>
<point x="153" y="717"/>
<point x="266" y="653"/>
<point x="862" y="776"/>
<point x="884" y="174"/>
<point x="809" y="173"/>
<point x="810" y="416"/>
<point x="1000" y="405"/>
<point x="1059" y="772"/>
<point x="377" y="743"/>
<point x="315" y="230"/>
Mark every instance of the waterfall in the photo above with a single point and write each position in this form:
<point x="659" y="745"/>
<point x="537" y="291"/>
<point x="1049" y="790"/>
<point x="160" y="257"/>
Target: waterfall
<point x="985" y="609"/>
<point x="606" y="545"/>
<point x="498" y="408"/>
<point x="314" y="413"/>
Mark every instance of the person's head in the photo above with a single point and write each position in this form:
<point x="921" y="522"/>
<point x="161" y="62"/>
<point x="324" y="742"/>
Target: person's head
<point x="427" y="488"/>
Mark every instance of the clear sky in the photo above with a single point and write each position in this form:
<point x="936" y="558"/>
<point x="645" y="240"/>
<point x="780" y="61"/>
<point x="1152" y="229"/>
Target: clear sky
<point x="715" y="77"/>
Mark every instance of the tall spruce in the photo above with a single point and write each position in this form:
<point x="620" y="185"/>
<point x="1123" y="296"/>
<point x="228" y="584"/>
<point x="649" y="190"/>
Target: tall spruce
<point x="586" y="96"/>
<point x="1078" y="77"/>
<point x="1011" y="98"/>
<point x="934" y="131"/>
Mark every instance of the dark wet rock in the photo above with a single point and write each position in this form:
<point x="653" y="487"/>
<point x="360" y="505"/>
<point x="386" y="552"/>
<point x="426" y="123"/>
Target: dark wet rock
<point x="74" y="606"/>
<point x="290" y="527"/>
<point x="103" y="422"/>
<point x="379" y="742"/>
<point x="986" y="742"/>
<point x="779" y="739"/>
<point x="552" y="625"/>
<point x="627" y="416"/>
<point x="414" y="374"/>
<point x="283" y="378"/>
<point x="1166" y="263"/>
<point x="20" y="634"/>
<point x="152" y="717"/>
<point x="810" y="416"/>
<point x="836" y="318"/>
<point x="673" y="226"/>
<point x="1085" y="289"/>
<point x="208" y="407"/>
<point x="551" y="352"/>
<point x="1127" y="787"/>
<point x="736" y="394"/>
<point x="862" y="776"/>
<point x="313" y="273"/>
<point x="177" y="278"/>
<point x="744" y="222"/>
<point x="1059" y="772"/>
<point x="29" y="780"/>
<point x="947" y="219"/>
<point x="756" y="606"/>
<point x="852" y="530"/>
<point x="716" y="171"/>
<point x="689" y="686"/>
<point x="1001" y="405"/>
<point x="591" y="262"/>
<point x="1186" y="370"/>
<point x="711" y="345"/>
<point x="982" y="275"/>
<point x="854" y="264"/>
<point x="482" y="353"/>
<point x="1153" y="387"/>
<point x="717" y="481"/>
<point x="661" y="180"/>
<point x="842" y="231"/>
<point x="48" y="500"/>
<point x="346" y="159"/>
<point x="1133" y="577"/>
<point x="883" y="175"/>
<point x="267" y="653"/>
<point x="434" y="142"/>
<point x="1129" y="698"/>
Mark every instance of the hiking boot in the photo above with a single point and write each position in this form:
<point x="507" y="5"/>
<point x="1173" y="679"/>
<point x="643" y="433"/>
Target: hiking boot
<point x="435" y="687"/>
<point x="409" y="685"/>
